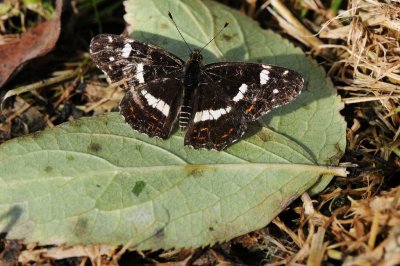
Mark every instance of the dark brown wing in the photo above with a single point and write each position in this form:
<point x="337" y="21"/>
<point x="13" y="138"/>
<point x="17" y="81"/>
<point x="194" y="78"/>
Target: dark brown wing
<point x="136" y="62"/>
<point x="153" y="107"/>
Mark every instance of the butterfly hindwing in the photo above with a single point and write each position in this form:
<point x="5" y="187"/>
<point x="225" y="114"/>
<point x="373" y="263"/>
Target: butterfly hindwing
<point x="215" y="134"/>
<point x="231" y="94"/>
<point x="254" y="89"/>
<point x="153" y="107"/>
<point x="136" y="62"/>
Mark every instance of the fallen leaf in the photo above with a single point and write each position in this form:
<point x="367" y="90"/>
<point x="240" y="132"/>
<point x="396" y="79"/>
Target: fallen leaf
<point x="97" y="181"/>
<point x="37" y="41"/>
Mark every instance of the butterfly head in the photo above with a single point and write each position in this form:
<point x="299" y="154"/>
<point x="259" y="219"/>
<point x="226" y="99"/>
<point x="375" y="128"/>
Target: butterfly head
<point x="196" y="56"/>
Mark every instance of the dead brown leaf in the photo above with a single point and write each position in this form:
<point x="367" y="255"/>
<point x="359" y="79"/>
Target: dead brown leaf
<point x="35" y="42"/>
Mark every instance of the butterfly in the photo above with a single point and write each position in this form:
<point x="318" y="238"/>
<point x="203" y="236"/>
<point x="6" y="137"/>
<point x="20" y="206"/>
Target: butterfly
<point x="213" y="103"/>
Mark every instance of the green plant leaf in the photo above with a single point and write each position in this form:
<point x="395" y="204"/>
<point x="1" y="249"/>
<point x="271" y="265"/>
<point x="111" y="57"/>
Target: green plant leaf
<point x="4" y="8"/>
<point x="96" y="180"/>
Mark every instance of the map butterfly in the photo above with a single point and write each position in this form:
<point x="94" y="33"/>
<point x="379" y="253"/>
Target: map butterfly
<point x="212" y="102"/>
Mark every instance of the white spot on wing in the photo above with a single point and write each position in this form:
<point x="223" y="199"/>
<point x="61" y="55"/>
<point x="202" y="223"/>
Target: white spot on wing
<point x="240" y="94"/>
<point x="151" y="100"/>
<point x="264" y="77"/>
<point x="238" y="97"/>
<point x="158" y="104"/>
<point x="206" y="115"/>
<point x="275" y="91"/>
<point x="211" y="114"/>
<point x="139" y="73"/>
<point x="165" y="109"/>
<point x="126" y="51"/>
<point x="112" y="58"/>
<point x="285" y="73"/>
<point x="215" y="114"/>
<point x="243" y="88"/>
<point x="110" y="39"/>
<point x="266" y="66"/>
<point x="197" y="117"/>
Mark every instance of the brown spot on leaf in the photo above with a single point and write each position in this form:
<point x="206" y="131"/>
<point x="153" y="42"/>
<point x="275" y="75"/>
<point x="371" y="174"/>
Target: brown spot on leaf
<point x="226" y="37"/>
<point x="94" y="147"/>
<point x="265" y="135"/>
<point x="164" y="25"/>
<point x="196" y="170"/>
<point x="160" y="233"/>
<point x="81" y="227"/>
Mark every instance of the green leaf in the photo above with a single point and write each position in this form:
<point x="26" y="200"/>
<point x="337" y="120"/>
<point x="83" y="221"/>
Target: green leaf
<point x="96" y="180"/>
<point x="43" y="8"/>
<point x="4" y="8"/>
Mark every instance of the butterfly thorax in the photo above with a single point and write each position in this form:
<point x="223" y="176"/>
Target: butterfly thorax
<point x="192" y="69"/>
<point x="190" y="82"/>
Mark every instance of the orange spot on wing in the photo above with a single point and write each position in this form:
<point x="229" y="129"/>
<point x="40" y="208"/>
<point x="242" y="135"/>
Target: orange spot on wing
<point x="248" y="110"/>
<point x="227" y="133"/>
<point x="203" y="129"/>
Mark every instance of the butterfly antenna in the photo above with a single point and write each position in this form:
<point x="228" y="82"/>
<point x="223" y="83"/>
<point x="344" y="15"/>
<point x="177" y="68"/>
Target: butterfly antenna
<point x="170" y="16"/>
<point x="226" y="25"/>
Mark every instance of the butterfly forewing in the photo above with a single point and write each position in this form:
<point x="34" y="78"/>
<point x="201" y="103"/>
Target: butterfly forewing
<point x="135" y="62"/>
<point x="254" y="89"/>
<point x="231" y="94"/>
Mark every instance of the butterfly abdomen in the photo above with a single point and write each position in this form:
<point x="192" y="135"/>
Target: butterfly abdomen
<point x="184" y="116"/>
<point x="190" y="82"/>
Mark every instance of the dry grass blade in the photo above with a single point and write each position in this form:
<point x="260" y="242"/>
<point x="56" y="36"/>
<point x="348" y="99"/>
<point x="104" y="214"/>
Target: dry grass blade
<point x="40" y="84"/>
<point x="288" y="22"/>
<point x="318" y="248"/>
<point x="370" y="55"/>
